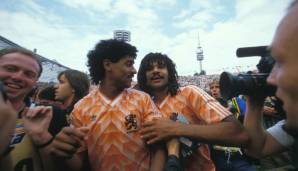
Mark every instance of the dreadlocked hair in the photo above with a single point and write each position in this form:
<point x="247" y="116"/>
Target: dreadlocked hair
<point x="159" y="58"/>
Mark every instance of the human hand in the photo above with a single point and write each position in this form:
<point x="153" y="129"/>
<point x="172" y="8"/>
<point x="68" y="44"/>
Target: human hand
<point x="68" y="141"/>
<point x="269" y="111"/>
<point x="36" y="123"/>
<point x="8" y="118"/>
<point x="255" y="103"/>
<point x="158" y="129"/>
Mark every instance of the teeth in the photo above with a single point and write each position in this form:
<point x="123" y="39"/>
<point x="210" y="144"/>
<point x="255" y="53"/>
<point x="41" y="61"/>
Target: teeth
<point x="13" y="86"/>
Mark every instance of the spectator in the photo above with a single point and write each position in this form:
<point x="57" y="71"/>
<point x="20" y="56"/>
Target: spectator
<point x="46" y="96"/>
<point x="73" y="85"/>
<point x="19" y="72"/>
<point x="228" y="158"/>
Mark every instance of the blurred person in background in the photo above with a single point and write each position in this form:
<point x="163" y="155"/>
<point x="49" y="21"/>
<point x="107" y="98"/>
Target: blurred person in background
<point x="229" y="158"/>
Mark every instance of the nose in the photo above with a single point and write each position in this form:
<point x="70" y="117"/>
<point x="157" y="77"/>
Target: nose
<point x="17" y="76"/>
<point x="134" y="71"/>
<point x="271" y="79"/>
<point x="56" y="86"/>
<point x="155" y="69"/>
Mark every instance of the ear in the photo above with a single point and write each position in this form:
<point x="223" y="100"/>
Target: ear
<point x="107" y="64"/>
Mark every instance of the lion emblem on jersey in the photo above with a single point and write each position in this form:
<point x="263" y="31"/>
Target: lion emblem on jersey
<point x="131" y="122"/>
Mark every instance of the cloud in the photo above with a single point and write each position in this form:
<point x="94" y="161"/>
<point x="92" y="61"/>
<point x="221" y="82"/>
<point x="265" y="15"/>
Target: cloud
<point x="200" y="14"/>
<point x="244" y="24"/>
<point x="253" y="24"/>
<point x="66" y="46"/>
<point x="101" y="5"/>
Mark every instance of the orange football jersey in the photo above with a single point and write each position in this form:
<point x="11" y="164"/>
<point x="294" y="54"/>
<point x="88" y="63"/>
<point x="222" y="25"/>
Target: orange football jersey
<point x="113" y="141"/>
<point x="198" y="107"/>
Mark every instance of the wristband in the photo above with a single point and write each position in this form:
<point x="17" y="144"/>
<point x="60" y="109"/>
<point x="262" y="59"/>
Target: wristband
<point x="46" y="143"/>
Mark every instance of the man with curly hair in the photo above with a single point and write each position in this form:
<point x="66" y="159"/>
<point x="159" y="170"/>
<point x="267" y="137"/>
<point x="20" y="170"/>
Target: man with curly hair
<point x="113" y="114"/>
<point x="209" y="122"/>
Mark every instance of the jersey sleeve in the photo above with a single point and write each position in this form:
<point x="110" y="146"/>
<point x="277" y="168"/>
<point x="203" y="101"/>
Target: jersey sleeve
<point x="76" y="117"/>
<point x="77" y="120"/>
<point x="206" y="108"/>
<point x="150" y="110"/>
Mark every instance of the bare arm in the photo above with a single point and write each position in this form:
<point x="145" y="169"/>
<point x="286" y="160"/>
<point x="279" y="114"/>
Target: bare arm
<point x="66" y="145"/>
<point x="228" y="132"/>
<point x="158" y="158"/>
<point x="58" y="150"/>
<point x="261" y="142"/>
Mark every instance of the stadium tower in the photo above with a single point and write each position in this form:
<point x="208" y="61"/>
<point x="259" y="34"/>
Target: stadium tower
<point x="200" y="55"/>
<point x="122" y="35"/>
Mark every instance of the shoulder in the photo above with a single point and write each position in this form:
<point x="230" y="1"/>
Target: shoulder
<point x="136" y="93"/>
<point x="89" y="99"/>
<point x="280" y="135"/>
<point x="191" y="89"/>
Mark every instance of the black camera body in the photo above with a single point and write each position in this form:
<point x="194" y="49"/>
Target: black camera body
<point x="249" y="83"/>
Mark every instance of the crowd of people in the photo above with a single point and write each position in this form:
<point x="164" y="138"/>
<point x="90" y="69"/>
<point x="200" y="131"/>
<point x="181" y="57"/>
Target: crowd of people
<point x="164" y="122"/>
<point x="201" y="81"/>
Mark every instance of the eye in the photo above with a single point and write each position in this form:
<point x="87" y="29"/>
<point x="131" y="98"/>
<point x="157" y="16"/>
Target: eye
<point x="31" y="75"/>
<point x="149" y="68"/>
<point x="161" y="65"/>
<point x="10" y="68"/>
<point x="129" y="63"/>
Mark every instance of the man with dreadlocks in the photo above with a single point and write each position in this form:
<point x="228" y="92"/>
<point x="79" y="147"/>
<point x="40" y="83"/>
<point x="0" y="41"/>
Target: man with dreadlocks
<point x="209" y="122"/>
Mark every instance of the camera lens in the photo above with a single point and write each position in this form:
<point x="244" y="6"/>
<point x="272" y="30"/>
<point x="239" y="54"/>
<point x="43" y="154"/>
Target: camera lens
<point x="245" y="84"/>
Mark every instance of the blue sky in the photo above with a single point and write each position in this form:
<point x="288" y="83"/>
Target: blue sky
<point x="64" y="30"/>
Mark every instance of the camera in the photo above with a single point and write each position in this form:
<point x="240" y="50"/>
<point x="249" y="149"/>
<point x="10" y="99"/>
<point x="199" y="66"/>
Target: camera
<point x="249" y="83"/>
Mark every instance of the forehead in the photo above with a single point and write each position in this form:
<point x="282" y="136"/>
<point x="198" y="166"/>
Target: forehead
<point x="20" y="60"/>
<point x="159" y="62"/>
<point x="127" y="58"/>
<point x="285" y="41"/>
<point x="62" y="78"/>
<point x="214" y="84"/>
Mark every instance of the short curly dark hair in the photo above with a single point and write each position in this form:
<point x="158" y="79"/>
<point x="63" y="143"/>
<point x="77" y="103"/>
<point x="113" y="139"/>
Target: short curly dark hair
<point x="147" y="61"/>
<point x="111" y="49"/>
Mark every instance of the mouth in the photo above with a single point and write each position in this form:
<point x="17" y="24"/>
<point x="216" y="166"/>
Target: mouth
<point x="13" y="86"/>
<point x="214" y="94"/>
<point x="56" y="94"/>
<point x="129" y="78"/>
<point x="156" y="78"/>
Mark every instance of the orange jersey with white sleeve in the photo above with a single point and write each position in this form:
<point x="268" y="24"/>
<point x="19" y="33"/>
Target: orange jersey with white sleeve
<point x="113" y="141"/>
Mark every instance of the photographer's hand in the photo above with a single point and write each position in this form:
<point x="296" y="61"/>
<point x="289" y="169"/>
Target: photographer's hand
<point x="261" y="142"/>
<point x="269" y="111"/>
